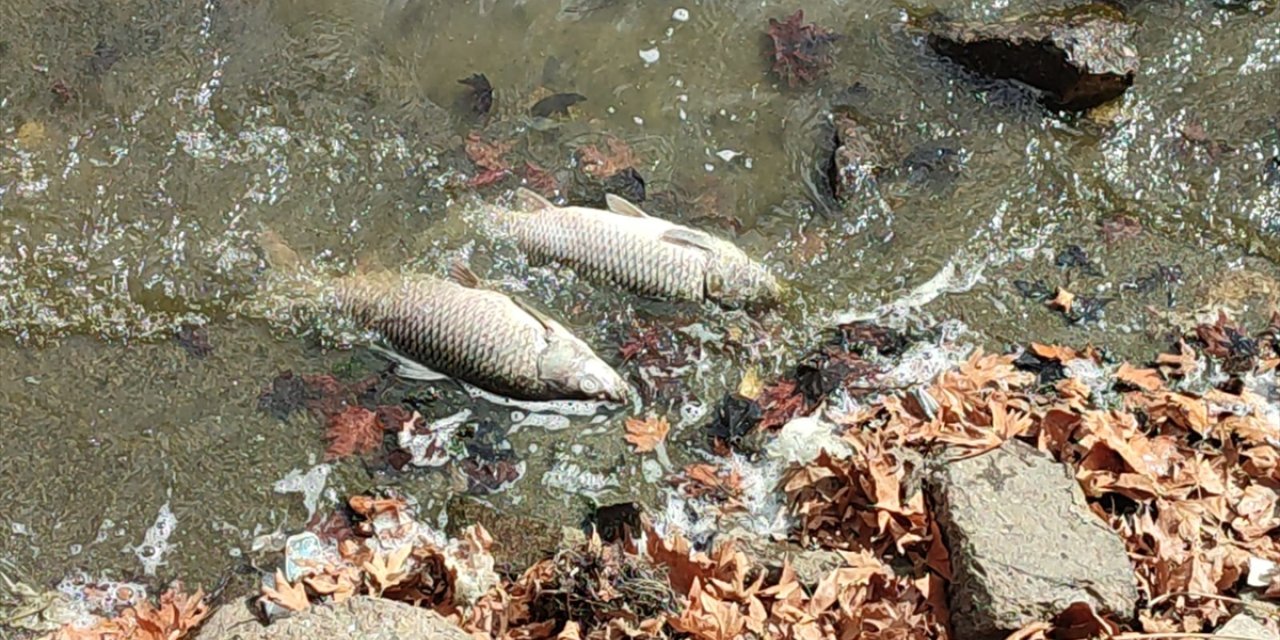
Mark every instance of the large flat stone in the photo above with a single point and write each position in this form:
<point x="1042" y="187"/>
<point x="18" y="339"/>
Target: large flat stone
<point x="1244" y="625"/>
<point x="358" y="618"/>
<point x="1024" y="545"/>
<point x="1079" y="59"/>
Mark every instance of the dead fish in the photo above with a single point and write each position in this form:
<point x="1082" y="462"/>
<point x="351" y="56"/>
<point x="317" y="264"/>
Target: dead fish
<point x="454" y="328"/>
<point x="435" y="328"/>
<point x="556" y="104"/>
<point x="634" y="250"/>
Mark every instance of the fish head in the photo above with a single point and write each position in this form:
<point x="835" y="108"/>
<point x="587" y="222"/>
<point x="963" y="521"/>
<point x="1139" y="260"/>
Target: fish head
<point x="734" y="279"/>
<point x="570" y="367"/>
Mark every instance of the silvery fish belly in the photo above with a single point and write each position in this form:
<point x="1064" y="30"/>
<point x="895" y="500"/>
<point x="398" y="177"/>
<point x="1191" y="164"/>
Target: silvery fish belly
<point x="478" y="336"/>
<point x="643" y="254"/>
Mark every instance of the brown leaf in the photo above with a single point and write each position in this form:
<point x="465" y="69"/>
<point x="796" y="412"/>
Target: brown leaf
<point x="355" y="430"/>
<point x="388" y="570"/>
<point x="290" y="596"/>
<point x="175" y="616"/>
<point x="601" y="164"/>
<point x="488" y="156"/>
<point x="1145" y="379"/>
<point x="648" y="433"/>
<point x="1054" y="352"/>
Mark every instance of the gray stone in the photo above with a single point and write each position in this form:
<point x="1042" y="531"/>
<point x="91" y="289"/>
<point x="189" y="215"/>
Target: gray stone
<point x="358" y="618"/>
<point x="810" y="565"/>
<point x="1079" y="58"/>
<point x="1024" y="545"/>
<point x="1243" y="625"/>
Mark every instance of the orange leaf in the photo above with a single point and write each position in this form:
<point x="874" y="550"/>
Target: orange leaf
<point x="1145" y="379"/>
<point x="290" y="596"/>
<point x="1054" y="352"/>
<point x="1062" y="300"/>
<point x="648" y="433"/>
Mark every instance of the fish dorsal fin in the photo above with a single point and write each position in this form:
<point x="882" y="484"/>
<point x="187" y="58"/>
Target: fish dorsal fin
<point x="620" y="206"/>
<point x="462" y="274"/>
<point x="547" y="323"/>
<point x="529" y="200"/>
<point x="689" y="238"/>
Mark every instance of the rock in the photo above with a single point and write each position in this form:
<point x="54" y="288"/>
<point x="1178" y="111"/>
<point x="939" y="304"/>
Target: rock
<point x="519" y="541"/>
<point x="358" y="618"/>
<point x="810" y="565"/>
<point x="615" y="521"/>
<point x="858" y="160"/>
<point x="1078" y="59"/>
<point x="1024" y="545"/>
<point x="1243" y="625"/>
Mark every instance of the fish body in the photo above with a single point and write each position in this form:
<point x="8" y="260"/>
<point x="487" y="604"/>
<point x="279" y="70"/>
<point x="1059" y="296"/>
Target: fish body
<point x="456" y="329"/>
<point x="639" y="252"/>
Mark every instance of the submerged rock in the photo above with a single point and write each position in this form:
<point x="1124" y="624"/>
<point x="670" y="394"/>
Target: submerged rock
<point x="859" y="159"/>
<point x="1024" y="544"/>
<point x="1243" y="625"/>
<point x="1078" y="60"/>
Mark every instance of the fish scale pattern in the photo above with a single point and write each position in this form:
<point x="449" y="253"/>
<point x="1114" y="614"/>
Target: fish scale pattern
<point x="479" y="336"/>
<point x="627" y="251"/>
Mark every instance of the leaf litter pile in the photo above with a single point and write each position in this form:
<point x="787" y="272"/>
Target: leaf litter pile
<point x="1178" y="457"/>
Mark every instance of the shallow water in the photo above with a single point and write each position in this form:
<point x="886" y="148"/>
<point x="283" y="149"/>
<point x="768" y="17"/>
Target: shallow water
<point x="145" y="143"/>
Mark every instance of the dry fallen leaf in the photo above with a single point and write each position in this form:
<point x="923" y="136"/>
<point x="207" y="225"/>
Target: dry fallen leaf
<point x="1145" y="379"/>
<point x="1054" y="352"/>
<point x="648" y="433"/>
<point x="388" y="570"/>
<point x="750" y="386"/>
<point x="290" y="596"/>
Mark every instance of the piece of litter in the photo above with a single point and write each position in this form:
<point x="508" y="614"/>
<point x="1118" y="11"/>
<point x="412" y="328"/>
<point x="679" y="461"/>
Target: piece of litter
<point x="310" y="485"/>
<point x="680" y="15"/>
<point x="155" y="543"/>
<point x="727" y="154"/>
<point x="709" y="167"/>
<point x="638" y="120"/>
<point x="650" y="56"/>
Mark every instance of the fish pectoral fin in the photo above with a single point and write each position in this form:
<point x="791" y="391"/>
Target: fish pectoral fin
<point x="620" y="206"/>
<point x="407" y="368"/>
<point x="528" y="200"/>
<point x="547" y="323"/>
<point x="689" y="238"/>
<point x="462" y="274"/>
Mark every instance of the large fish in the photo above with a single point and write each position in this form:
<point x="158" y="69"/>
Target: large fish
<point x="634" y="250"/>
<point x="436" y="328"/>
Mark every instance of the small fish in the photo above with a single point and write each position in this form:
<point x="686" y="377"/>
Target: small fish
<point x="634" y="250"/>
<point x="436" y="329"/>
<point x="554" y="104"/>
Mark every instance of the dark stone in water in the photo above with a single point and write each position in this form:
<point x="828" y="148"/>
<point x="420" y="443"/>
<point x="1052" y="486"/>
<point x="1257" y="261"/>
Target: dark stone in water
<point x="479" y="100"/>
<point x="1037" y="290"/>
<point x="1078" y="59"/>
<point x="931" y="161"/>
<point x="556" y="104"/>
<point x="735" y="419"/>
<point x="858" y="158"/>
<point x="1271" y="174"/>
<point x="1047" y="371"/>
<point x="1074" y="257"/>
<point x="627" y="183"/>
<point x="104" y="57"/>
<point x="617" y="521"/>
<point x="194" y="340"/>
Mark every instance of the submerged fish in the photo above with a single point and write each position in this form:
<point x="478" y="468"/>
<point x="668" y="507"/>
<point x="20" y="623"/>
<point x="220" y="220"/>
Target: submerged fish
<point x="436" y="329"/>
<point x="632" y="249"/>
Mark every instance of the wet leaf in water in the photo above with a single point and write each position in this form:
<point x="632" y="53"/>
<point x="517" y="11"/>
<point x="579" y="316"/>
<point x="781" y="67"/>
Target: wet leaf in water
<point x="1062" y="300"/>
<point x="1037" y="290"/>
<point x="779" y="403"/>
<point x="646" y="434"/>
<point x="490" y="158"/>
<point x="750" y="385"/>
<point x="801" y="53"/>
<point x="1120" y="227"/>
<point x="627" y="184"/>
<point x="602" y="164"/>
<point x="556" y="104"/>
<point x="539" y="179"/>
<point x="104" y="57"/>
<point x="354" y="431"/>
<point x="1145" y="379"/>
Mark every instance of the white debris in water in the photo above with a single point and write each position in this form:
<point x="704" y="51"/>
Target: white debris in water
<point x="310" y="485"/>
<point x="155" y="543"/>
<point x="571" y="478"/>
<point x="1089" y="373"/>
<point x="709" y="167"/>
<point x="763" y="514"/>
<point x="428" y="446"/>
<point x="802" y="439"/>
<point x="728" y="154"/>
<point x="923" y="362"/>
<point x="691" y="412"/>
<point x="680" y="15"/>
<point x="546" y="421"/>
<point x="651" y="469"/>
<point x="638" y="120"/>
<point x="650" y="56"/>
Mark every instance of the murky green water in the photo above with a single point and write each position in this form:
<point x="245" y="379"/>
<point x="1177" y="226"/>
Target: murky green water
<point x="144" y="143"/>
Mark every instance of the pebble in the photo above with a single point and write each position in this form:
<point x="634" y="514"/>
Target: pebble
<point x="650" y="56"/>
<point x="680" y="15"/>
